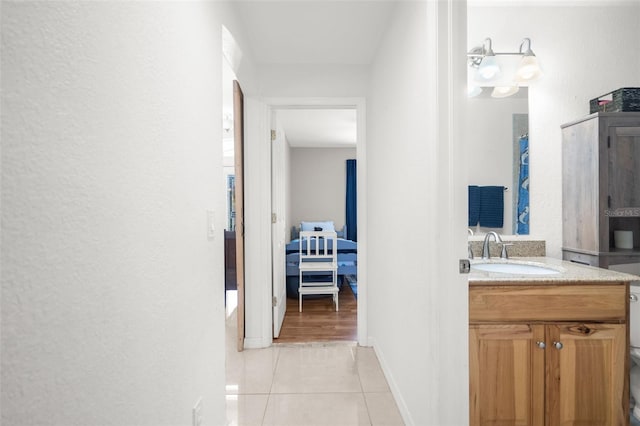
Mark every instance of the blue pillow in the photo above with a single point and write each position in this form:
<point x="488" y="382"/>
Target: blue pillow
<point x="310" y="226"/>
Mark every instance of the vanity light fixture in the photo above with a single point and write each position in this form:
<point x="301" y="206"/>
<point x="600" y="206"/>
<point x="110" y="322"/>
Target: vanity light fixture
<point x="529" y="68"/>
<point x="504" y="72"/>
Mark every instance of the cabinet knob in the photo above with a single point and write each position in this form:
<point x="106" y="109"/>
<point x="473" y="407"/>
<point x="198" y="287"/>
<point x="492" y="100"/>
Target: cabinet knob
<point x="541" y="345"/>
<point x="558" y="345"/>
<point x="633" y="297"/>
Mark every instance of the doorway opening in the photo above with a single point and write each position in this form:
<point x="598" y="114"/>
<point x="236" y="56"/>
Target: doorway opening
<point x="316" y="150"/>
<point x="228" y="158"/>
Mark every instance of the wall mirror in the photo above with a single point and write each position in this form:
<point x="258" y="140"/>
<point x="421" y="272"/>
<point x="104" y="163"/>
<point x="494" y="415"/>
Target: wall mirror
<point x="496" y="127"/>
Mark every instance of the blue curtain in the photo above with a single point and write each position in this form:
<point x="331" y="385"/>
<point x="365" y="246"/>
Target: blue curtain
<point x="523" y="188"/>
<point x="352" y="202"/>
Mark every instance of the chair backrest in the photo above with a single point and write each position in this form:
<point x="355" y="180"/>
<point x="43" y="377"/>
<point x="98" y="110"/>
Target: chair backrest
<point x="317" y="246"/>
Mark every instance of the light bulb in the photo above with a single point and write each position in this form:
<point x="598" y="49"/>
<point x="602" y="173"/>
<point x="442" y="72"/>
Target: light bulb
<point x="473" y="91"/>
<point x="504" y="91"/>
<point x="488" y="68"/>
<point x="529" y="69"/>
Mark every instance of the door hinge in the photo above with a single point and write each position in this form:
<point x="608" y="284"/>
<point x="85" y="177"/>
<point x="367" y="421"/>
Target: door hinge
<point x="273" y="135"/>
<point x="274" y="218"/>
<point x="274" y="301"/>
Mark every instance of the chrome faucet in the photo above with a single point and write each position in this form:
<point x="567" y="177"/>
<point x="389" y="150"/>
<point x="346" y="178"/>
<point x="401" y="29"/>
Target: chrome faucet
<point x="485" y="246"/>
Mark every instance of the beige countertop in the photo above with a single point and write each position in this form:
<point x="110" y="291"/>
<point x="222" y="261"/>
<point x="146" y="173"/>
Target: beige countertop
<point x="568" y="272"/>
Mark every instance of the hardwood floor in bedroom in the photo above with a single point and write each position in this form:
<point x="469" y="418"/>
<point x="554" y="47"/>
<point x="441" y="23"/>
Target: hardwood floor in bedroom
<point x="318" y="321"/>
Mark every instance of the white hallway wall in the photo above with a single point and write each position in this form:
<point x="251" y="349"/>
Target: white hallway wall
<point x="112" y="295"/>
<point x="565" y="39"/>
<point x="318" y="184"/>
<point x="417" y="300"/>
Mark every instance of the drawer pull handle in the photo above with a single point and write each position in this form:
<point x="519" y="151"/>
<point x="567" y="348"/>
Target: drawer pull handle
<point x="541" y="345"/>
<point x="558" y="345"/>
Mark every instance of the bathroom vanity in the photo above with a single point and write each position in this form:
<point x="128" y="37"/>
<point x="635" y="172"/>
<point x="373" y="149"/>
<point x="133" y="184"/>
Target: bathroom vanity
<point x="549" y="349"/>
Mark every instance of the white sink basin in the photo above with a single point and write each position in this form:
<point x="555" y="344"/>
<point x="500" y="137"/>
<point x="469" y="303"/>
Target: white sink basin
<point x="514" y="268"/>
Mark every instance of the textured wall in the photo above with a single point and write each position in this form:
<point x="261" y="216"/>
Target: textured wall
<point x="562" y="38"/>
<point x="112" y="295"/>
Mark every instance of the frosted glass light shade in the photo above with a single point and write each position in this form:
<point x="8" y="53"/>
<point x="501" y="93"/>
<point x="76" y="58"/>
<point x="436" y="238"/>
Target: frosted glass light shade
<point x="504" y="91"/>
<point x="488" y="68"/>
<point x="529" y="69"/>
<point x="473" y="91"/>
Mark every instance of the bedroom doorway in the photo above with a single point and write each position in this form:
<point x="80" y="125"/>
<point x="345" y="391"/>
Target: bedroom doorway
<point x="320" y="151"/>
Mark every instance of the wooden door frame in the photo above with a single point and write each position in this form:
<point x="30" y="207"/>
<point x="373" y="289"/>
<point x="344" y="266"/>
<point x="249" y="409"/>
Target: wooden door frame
<point x="359" y="104"/>
<point x="238" y="137"/>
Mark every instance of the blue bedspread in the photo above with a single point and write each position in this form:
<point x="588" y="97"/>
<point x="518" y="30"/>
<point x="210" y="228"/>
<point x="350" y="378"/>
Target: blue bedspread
<point x="347" y="257"/>
<point x="344" y="246"/>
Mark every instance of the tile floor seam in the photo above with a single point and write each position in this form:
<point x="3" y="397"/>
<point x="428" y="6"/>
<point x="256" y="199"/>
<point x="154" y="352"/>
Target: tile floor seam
<point x="273" y="372"/>
<point x="364" y="397"/>
<point x="264" y="413"/>
<point x="358" y="371"/>
<point x="317" y="393"/>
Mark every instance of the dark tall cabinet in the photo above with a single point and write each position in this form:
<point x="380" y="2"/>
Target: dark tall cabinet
<point x="601" y="187"/>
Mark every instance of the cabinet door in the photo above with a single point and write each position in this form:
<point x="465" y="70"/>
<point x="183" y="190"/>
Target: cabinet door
<point x="506" y="383"/>
<point x="585" y="375"/>
<point x="580" y="186"/>
<point x="624" y="167"/>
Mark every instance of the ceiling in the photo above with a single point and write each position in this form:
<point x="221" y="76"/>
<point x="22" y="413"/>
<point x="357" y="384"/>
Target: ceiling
<point x="314" y="32"/>
<point x="301" y="32"/>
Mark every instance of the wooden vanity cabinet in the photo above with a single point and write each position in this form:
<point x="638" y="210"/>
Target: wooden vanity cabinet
<point x="526" y="371"/>
<point x="506" y="380"/>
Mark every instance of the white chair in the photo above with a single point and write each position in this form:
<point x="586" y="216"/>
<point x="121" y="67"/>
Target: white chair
<point x="318" y="264"/>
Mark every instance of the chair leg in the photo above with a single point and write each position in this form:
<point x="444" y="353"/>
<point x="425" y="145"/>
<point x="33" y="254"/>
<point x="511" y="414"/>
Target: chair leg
<point x="335" y="281"/>
<point x="299" y="301"/>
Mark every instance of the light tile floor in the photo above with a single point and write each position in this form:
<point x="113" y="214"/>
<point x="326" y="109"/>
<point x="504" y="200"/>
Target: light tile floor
<point x="315" y="384"/>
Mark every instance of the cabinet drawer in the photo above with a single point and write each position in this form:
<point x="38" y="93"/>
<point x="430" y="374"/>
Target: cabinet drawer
<point x="597" y="302"/>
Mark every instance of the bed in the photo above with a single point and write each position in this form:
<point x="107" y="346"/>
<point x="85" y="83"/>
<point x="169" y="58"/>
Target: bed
<point x="347" y="256"/>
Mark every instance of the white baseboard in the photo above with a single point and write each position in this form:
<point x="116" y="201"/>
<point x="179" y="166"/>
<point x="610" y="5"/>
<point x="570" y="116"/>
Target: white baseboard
<point x="255" y="343"/>
<point x="397" y="395"/>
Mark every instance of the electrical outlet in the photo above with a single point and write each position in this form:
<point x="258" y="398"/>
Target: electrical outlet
<point x="197" y="413"/>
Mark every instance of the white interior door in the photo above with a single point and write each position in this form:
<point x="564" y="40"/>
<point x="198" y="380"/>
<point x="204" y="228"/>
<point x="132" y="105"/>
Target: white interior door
<point x="278" y="230"/>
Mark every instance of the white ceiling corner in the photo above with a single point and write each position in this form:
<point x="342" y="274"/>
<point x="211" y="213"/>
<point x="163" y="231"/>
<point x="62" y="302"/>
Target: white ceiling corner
<point x="311" y="127"/>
